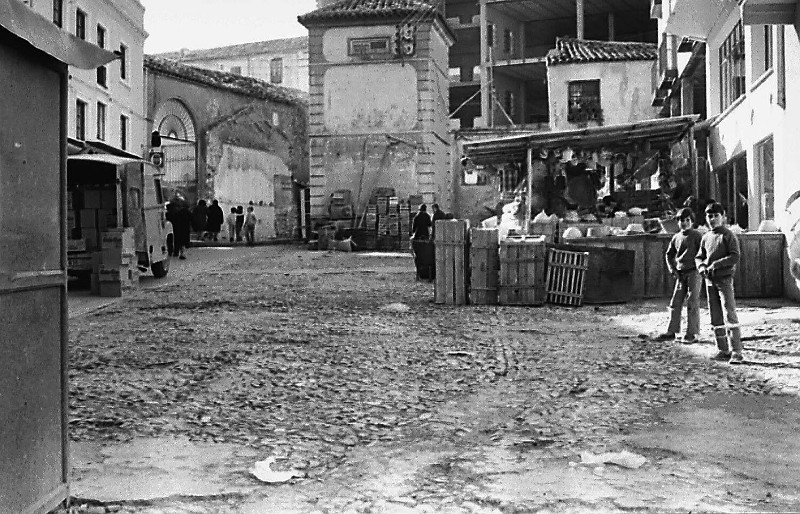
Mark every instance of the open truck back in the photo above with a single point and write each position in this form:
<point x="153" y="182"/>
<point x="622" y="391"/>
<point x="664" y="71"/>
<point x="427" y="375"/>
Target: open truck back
<point x="115" y="205"/>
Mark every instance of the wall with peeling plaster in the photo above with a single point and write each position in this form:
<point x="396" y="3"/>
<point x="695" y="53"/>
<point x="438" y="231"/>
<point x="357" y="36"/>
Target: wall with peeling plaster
<point x="378" y="122"/>
<point x="242" y="142"/>
<point x="625" y="91"/>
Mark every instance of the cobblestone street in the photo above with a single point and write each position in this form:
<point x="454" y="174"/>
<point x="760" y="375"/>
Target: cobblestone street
<point x="341" y="368"/>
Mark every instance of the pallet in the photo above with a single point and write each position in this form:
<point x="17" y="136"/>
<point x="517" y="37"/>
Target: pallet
<point x="521" y="277"/>
<point x="566" y="277"/>
<point x="452" y="262"/>
<point x="484" y="262"/>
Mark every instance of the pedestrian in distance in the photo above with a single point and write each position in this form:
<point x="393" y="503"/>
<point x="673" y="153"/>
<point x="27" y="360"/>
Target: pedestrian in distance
<point x="230" y="220"/>
<point x="178" y="214"/>
<point x="215" y="220"/>
<point x="716" y="262"/>
<point x="239" y="222"/>
<point x="200" y="219"/>
<point x="437" y="215"/>
<point x="250" y="226"/>
<point x="680" y="256"/>
<point x="420" y="243"/>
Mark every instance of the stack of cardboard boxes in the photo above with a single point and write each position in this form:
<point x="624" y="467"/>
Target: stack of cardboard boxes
<point x="116" y="266"/>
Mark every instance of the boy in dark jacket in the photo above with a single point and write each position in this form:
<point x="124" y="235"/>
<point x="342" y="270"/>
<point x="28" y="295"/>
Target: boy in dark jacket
<point x="716" y="262"/>
<point x="680" y="257"/>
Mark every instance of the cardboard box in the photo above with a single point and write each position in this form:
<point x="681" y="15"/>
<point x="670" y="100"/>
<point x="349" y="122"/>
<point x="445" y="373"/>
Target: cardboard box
<point x="76" y="245"/>
<point x="92" y="199"/>
<point x="121" y="238"/>
<point x="92" y="238"/>
<point x="114" y="257"/>
<point x="108" y="199"/>
<point x="88" y="218"/>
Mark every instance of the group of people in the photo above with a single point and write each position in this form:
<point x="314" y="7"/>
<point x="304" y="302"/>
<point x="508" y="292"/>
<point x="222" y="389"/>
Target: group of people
<point x="423" y="229"/>
<point x="711" y="258"/>
<point x="206" y="222"/>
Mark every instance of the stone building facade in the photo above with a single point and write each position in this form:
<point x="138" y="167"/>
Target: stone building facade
<point x="105" y="105"/>
<point x="231" y="138"/>
<point x="378" y="114"/>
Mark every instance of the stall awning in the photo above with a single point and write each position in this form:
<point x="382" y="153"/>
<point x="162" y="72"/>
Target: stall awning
<point x="659" y="133"/>
<point x="769" y="12"/>
<point x="41" y="33"/>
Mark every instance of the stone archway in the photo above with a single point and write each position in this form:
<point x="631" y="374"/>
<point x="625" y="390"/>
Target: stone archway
<point x="175" y="123"/>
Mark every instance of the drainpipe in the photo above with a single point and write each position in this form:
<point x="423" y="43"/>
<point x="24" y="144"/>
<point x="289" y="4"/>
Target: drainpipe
<point x="579" y="15"/>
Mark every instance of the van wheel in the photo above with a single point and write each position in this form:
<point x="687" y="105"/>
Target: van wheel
<point x="160" y="268"/>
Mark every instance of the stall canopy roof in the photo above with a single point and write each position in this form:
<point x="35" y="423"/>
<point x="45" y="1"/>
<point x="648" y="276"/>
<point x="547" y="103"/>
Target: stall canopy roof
<point x="660" y="133"/>
<point x="38" y="31"/>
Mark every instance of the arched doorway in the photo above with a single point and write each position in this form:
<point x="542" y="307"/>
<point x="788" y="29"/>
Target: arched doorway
<point x="178" y="138"/>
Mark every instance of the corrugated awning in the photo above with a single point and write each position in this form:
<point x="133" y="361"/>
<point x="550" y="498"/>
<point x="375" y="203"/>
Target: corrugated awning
<point x="25" y="23"/>
<point x="659" y="133"/>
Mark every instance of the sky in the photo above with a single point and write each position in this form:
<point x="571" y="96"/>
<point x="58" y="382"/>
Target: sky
<point x="196" y="24"/>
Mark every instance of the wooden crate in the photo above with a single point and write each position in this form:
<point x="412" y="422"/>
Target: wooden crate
<point x="452" y="262"/>
<point x="484" y="266"/>
<point x="566" y="277"/>
<point x="522" y="267"/>
<point x="759" y="274"/>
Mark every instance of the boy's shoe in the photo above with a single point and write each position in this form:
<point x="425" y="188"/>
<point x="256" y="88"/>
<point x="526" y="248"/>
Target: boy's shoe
<point x="736" y="358"/>
<point x="666" y="336"/>
<point x="722" y="356"/>
<point x="689" y="340"/>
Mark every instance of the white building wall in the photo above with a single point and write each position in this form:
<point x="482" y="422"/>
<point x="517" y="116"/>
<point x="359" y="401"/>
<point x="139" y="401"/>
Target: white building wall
<point x="123" y="21"/>
<point x="757" y="115"/>
<point x="625" y="91"/>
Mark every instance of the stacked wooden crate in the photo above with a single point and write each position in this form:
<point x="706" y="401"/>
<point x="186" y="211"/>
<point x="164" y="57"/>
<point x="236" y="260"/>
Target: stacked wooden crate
<point x="452" y="262"/>
<point x="393" y="217"/>
<point x="484" y="266"/>
<point x="405" y="223"/>
<point x="522" y="267"/>
<point x="117" y="272"/>
<point x="383" y="210"/>
<point x="371" y="218"/>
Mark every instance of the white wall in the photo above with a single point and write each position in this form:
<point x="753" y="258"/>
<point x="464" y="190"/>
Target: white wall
<point x="123" y="21"/>
<point x="625" y="91"/>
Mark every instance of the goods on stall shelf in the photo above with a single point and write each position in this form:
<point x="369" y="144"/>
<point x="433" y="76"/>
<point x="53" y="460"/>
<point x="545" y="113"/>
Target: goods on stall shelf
<point x="522" y="264"/>
<point x="484" y="266"/>
<point x="452" y="262"/>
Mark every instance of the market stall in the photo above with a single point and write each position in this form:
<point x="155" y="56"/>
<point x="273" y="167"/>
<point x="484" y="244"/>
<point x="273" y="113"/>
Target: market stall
<point x="619" y="187"/>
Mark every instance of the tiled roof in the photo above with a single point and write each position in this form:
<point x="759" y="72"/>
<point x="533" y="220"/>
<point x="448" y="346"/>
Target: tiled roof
<point x="571" y="50"/>
<point x="228" y="81"/>
<point x="274" y="46"/>
<point x="360" y="9"/>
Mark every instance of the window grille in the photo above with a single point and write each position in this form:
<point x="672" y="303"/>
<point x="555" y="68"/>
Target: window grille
<point x="731" y="67"/>
<point x="584" y="101"/>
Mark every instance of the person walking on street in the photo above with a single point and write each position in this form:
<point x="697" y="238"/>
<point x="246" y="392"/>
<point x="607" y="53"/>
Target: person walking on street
<point x="200" y="219"/>
<point x="239" y="222"/>
<point x="420" y="243"/>
<point x="250" y="226"/>
<point x="215" y="219"/>
<point x="230" y="220"/>
<point x="716" y="262"/>
<point x="680" y="257"/>
<point x="178" y="214"/>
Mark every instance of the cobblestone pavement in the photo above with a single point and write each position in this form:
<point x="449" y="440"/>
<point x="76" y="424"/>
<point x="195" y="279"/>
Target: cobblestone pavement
<point x="341" y="368"/>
